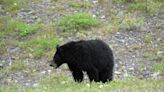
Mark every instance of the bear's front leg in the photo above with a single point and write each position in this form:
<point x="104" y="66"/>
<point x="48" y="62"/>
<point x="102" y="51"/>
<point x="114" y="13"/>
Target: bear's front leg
<point x="93" y="75"/>
<point x="78" y="76"/>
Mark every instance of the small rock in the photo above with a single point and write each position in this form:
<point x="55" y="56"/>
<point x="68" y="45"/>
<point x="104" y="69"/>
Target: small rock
<point x="43" y="72"/>
<point x="88" y="85"/>
<point x="36" y="85"/>
<point x="49" y="71"/>
<point x="16" y="81"/>
<point x="1" y="66"/>
<point x="95" y="1"/>
<point x="102" y="17"/>
<point x="155" y="75"/>
<point x="120" y="15"/>
<point x="12" y="50"/>
<point x="27" y="84"/>
<point x="94" y="16"/>
<point x="63" y="82"/>
<point x="131" y="68"/>
<point x="100" y="86"/>
<point x="117" y="72"/>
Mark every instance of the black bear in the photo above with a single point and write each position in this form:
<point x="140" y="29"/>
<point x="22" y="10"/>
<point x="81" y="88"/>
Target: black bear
<point x="92" y="56"/>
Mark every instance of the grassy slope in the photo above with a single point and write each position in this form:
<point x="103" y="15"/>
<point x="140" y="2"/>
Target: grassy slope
<point x="62" y="83"/>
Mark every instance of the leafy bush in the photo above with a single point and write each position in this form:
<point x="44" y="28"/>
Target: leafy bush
<point x="77" y="21"/>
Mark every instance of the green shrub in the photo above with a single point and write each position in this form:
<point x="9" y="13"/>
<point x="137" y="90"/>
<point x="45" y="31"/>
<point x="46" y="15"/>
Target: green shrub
<point x="77" y="21"/>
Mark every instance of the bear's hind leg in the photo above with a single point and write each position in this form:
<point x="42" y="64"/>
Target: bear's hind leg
<point x="106" y="75"/>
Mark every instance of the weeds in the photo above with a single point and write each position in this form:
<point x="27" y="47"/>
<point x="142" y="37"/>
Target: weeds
<point x="158" y="67"/>
<point x="16" y="66"/>
<point x="12" y="5"/>
<point x="149" y="7"/>
<point x="40" y="45"/>
<point x="79" y="5"/>
<point x="126" y="21"/>
<point x="63" y="84"/>
<point x="25" y="29"/>
<point x="10" y="26"/>
<point x="77" y="21"/>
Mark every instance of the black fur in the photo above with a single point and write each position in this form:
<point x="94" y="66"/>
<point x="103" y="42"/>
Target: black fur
<point x="92" y="56"/>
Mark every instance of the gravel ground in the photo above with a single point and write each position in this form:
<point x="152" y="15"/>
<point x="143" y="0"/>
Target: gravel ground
<point x="128" y="46"/>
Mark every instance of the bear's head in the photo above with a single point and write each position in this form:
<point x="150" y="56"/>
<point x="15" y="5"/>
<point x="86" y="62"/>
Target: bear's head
<point x="57" y="59"/>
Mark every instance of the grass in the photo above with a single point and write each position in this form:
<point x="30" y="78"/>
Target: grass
<point x="14" y="29"/>
<point x="129" y="22"/>
<point x="158" y="62"/>
<point x="79" y="5"/>
<point x="126" y="21"/>
<point x="159" y="67"/>
<point x="17" y="65"/>
<point x="56" y="83"/>
<point x="38" y="43"/>
<point x="41" y="44"/>
<point x="12" y="6"/>
<point x="10" y="26"/>
<point x="149" y="7"/>
<point x="25" y="29"/>
<point x="77" y="22"/>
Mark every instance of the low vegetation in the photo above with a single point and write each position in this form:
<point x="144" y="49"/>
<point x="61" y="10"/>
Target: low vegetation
<point x="149" y="7"/>
<point x="79" y="5"/>
<point x="12" y="6"/>
<point x="40" y="45"/>
<point x="125" y="21"/>
<point x="38" y="40"/>
<point x="76" y="22"/>
<point x="54" y="84"/>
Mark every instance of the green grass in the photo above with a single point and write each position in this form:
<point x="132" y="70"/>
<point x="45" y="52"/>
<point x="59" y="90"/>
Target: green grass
<point x="61" y="83"/>
<point x="127" y="22"/>
<point x="158" y="62"/>
<point x="16" y="66"/>
<point x="159" y="67"/>
<point x="40" y="45"/>
<point x="79" y="5"/>
<point x="77" y="22"/>
<point x="15" y="29"/>
<point x="13" y="6"/>
<point x="25" y="29"/>
<point x="10" y="26"/>
<point x="149" y="7"/>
